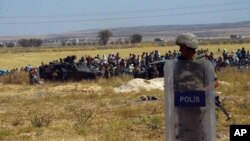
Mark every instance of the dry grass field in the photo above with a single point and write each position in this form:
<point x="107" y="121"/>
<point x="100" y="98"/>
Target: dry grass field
<point x="92" y="111"/>
<point x="18" y="57"/>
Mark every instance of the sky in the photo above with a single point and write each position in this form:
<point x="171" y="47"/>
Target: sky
<point x="39" y="17"/>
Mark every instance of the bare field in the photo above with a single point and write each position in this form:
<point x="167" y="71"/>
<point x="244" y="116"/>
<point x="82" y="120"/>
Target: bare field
<point x="20" y="57"/>
<point x="92" y="111"/>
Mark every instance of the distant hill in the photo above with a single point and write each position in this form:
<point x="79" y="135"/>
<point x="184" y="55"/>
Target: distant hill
<point x="222" y="30"/>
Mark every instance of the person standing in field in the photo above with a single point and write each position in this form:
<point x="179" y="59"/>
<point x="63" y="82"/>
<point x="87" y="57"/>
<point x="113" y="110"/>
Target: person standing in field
<point x="189" y="75"/>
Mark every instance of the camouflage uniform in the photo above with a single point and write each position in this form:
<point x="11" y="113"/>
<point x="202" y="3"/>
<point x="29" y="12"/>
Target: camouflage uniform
<point x="189" y="76"/>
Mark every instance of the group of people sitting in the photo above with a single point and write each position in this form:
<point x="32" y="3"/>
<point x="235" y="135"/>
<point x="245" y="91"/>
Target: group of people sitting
<point x="239" y="58"/>
<point x="143" y="65"/>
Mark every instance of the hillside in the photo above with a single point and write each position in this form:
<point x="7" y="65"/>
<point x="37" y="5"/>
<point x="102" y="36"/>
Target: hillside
<point x="222" y="30"/>
<point x="168" y="32"/>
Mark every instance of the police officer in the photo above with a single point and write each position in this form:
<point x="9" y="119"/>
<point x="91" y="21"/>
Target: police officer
<point x="188" y="44"/>
<point x="189" y="76"/>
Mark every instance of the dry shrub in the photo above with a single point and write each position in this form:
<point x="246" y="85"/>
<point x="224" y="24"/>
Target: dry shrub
<point x="82" y="120"/>
<point x="15" y="78"/>
<point x="41" y="119"/>
<point x="79" y="114"/>
<point x="83" y="116"/>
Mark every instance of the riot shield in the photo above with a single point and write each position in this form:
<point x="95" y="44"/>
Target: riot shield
<point x="189" y="100"/>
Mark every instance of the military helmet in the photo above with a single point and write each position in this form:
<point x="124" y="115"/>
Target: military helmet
<point x="187" y="39"/>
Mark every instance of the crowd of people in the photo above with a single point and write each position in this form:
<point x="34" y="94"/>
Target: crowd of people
<point x="142" y="65"/>
<point x="239" y="58"/>
<point x="137" y="63"/>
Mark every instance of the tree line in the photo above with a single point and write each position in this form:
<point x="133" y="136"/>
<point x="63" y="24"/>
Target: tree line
<point x="103" y="37"/>
<point x="23" y="43"/>
<point x="30" y="42"/>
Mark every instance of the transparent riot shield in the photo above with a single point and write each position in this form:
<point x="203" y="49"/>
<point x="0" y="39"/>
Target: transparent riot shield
<point x="190" y="100"/>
